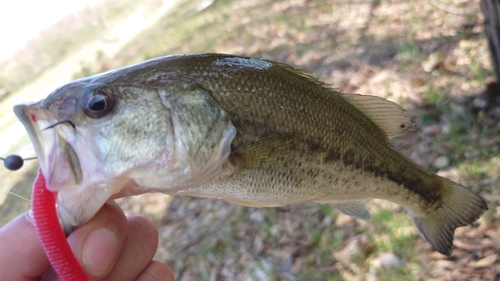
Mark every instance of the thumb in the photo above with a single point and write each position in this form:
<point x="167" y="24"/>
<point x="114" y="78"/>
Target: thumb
<point x="98" y="243"/>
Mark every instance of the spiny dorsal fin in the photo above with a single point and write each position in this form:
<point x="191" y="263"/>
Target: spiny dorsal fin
<point x="303" y="73"/>
<point x="389" y="116"/>
<point x="353" y="208"/>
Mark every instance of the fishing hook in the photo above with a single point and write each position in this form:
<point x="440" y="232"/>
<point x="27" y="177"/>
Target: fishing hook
<point x="59" y="123"/>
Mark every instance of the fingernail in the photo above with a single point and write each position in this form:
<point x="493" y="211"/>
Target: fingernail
<point x="29" y="216"/>
<point x="99" y="251"/>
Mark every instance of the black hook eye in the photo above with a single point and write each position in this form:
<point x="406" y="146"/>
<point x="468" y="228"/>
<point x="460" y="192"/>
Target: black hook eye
<point x="97" y="102"/>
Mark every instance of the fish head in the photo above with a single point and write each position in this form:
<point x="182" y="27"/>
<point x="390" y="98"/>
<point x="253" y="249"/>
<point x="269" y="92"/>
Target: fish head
<point x="96" y="141"/>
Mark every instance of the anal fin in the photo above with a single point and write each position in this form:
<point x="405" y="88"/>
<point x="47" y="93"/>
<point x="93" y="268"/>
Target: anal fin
<point x="251" y="204"/>
<point x="353" y="208"/>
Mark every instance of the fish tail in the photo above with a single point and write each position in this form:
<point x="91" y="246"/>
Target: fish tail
<point x="458" y="207"/>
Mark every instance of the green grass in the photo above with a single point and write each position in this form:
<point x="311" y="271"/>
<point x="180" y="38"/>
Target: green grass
<point x="408" y="52"/>
<point x="397" y="233"/>
<point x="465" y="140"/>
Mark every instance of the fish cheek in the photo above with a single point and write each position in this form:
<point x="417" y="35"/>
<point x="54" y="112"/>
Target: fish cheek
<point x="65" y="169"/>
<point x="137" y="141"/>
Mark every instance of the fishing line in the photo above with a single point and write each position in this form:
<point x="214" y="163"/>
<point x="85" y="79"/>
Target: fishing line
<point x="15" y="194"/>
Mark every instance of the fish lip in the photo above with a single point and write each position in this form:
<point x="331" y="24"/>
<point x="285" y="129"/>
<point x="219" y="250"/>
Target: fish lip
<point x="35" y="119"/>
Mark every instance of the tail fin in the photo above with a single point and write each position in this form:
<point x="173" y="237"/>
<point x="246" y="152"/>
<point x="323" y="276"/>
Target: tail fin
<point x="459" y="207"/>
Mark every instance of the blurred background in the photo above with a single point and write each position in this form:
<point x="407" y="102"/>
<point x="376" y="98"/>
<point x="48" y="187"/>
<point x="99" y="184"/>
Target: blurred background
<point x="430" y="56"/>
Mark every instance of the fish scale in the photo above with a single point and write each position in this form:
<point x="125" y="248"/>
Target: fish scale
<point x="245" y="130"/>
<point x="317" y="127"/>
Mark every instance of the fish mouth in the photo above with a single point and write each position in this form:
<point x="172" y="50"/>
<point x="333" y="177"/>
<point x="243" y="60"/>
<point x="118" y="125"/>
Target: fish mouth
<point x="81" y="191"/>
<point x="58" y="161"/>
<point x="57" y="158"/>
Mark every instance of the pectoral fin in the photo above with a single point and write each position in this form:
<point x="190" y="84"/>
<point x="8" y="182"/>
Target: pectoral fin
<point x="353" y="208"/>
<point x="271" y="153"/>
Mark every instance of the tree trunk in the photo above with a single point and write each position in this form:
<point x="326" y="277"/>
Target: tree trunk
<point x="491" y="11"/>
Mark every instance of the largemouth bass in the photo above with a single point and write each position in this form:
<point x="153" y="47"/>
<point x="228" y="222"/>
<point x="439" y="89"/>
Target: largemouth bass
<point x="244" y="130"/>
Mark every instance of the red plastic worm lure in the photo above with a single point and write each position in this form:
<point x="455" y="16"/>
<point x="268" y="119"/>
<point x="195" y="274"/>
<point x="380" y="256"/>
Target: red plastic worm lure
<point x="51" y="234"/>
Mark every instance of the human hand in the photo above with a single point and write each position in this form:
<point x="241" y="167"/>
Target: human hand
<point x="109" y="247"/>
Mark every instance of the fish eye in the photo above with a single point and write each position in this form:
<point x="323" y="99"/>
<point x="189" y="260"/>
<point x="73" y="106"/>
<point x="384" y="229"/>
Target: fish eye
<point x="97" y="102"/>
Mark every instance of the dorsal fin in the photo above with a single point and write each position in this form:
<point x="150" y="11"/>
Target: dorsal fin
<point x="389" y="116"/>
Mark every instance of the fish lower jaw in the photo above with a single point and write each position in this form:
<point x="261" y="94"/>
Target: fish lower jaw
<point x="67" y="220"/>
<point x="77" y="206"/>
